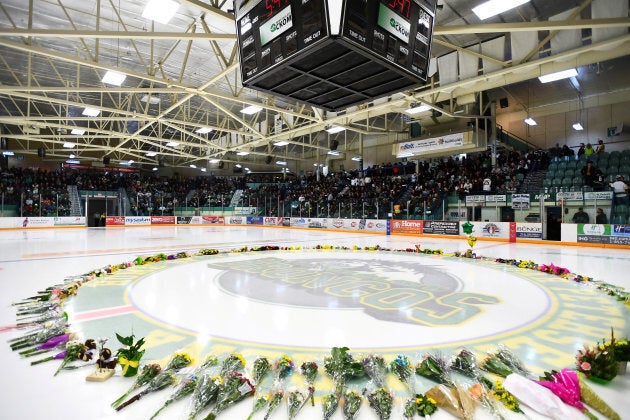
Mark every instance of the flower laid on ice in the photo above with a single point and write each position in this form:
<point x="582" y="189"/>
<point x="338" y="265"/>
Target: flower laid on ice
<point x="376" y="368"/>
<point x="146" y="375"/>
<point x="351" y="404"/>
<point x="382" y="401"/>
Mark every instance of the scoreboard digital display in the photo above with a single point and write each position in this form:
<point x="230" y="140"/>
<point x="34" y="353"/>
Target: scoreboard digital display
<point x="399" y="31"/>
<point x="356" y="51"/>
<point x="271" y="31"/>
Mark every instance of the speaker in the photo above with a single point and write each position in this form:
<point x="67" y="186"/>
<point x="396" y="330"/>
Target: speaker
<point x="334" y="144"/>
<point x="41" y="152"/>
<point x="4" y="143"/>
<point x="503" y="103"/>
<point x="268" y="159"/>
<point x="221" y="164"/>
<point x="106" y="160"/>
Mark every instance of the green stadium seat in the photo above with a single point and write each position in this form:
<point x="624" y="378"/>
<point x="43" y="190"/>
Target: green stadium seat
<point x="546" y="183"/>
<point x="567" y="182"/>
<point x="557" y="182"/>
<point x="553" y="166"/>
<point x="578" y="181"/>
<point x="569" y="173"/>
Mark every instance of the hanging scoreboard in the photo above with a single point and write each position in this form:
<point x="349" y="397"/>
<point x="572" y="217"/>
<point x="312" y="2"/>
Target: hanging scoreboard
<point x="334" y="53"/>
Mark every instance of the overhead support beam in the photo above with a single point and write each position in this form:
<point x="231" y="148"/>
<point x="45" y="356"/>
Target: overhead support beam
<point x="556" y="25"/>
<point x="212" y="12"/>
<point x="68" y="33"/>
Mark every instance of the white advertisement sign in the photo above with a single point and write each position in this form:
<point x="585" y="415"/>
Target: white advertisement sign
<point x="276" y="26"/>
<point x="137" y="220"/>
<point x="445" y="142"/>
<point x="489" y="230"/>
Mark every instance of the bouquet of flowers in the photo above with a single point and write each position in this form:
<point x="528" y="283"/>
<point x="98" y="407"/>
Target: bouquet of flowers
<point x="401" y="367"/>
<point x="274" y="401"/>
<point x="73" y="351"/>
<point x="210" y="361"/>
<point x="566" y="386"/>
<point x="178" y="362"/>
<point x="466" y="363"/>
<point x="351" y="404"/>
<point x="434" y="368"/>
<point x="330" y="402"/>
<point x="591" y="398"/>
<point x="295" y="402"/>
<point x="382" y="401"/>
<point x="260" y="369"/>
<point x="235" y="388"/>
<point x="147" y="374"/>
<point x="455" y="400"/>
<point x="283" y="367"/>
<point x="597" y="363"/>
<point x="493" y="364"/>
<point x="425" y="406"/>
<point x="39" y="337"/>
<point x="620" y="348"/>
<point x="376" y="368"/>
<point x="340" y="366"/>
<point x="205" y="391"/>
<point x="259" y="404"/>
<point x="233" y="363"/>
<point x="513" y="362"/>
<point x="129" y="357"/>
<point x="163" y="380"/>
<point x="537" y="397"/>
<point x="501" y="394"/>
<point x="309" y="370"/>
<point x="51" y="343"/>
<point x="409" y="409"/>
<point x="186" y="388"/>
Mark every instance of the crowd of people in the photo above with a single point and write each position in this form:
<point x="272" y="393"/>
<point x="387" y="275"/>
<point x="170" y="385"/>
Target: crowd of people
<point x="402" y="188"/>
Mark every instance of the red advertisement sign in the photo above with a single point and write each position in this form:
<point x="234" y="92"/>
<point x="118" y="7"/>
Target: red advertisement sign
<point x="162" y="220"/>
<point x="407" y="227"/>
<point x="512" y="231"/>
<point x="115" y="221"/>
<point x="213" y="220"/>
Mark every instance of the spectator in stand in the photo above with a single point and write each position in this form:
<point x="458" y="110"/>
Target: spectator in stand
<point x="600" y="147"/>
<point x="588" y="150"/>
<point x="581" y="150"/>
<point x="567" y="153"/>
<point x="601" y="218"/>
<point x="580" y="216"/>
<point x="555" y="152"/>
<point x="620" y="189"/>
<point x="591" y="174"/>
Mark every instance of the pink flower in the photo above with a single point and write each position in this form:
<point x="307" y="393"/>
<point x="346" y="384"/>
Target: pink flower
<point x="586" y="366"/>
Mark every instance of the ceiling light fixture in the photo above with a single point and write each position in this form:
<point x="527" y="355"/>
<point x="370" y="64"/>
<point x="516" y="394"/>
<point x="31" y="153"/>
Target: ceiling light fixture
<point x="333" y="152"/>
<point x="172" y="144"/>
<point x="356" y="158"/>
<point x="73" y="161"/>
<point x="280" y="162"/>
<point x="404" y="155"/>
<point x="150" y="154"/>
<point x="242" y="153"/>
<point x="155" y="168"/>
<point x="77" y="131"/>
<point x="160" y="10"/>
<point x="335" y="129"/>
<point x="530" y="121"/>
<point x="238" y="165"/>
<point x="68" y="145"/>
<point x="113" y="78"/>
<point x="72" y="156"/>
<point x="203" y="130"/>
<point x="214" y="161"/>
<point x="91" y="112"/>
<point x="281" y="143"/>
<point x="417" y="109"/>
<point x="251" y="110"/>
<point x="203" y="169"/>
<point x="495" y="7"/>
<point x="559" y="75"/>
<point x="193" y="166"/>
<point x="578" y="126"/>
<point x="8" y="153"/>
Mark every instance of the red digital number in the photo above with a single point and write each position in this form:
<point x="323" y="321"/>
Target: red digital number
<point x="273" y="6"/>
<point x="401" y="6"/>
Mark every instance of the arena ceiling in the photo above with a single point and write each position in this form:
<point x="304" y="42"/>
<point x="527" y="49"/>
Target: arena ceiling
<point x="184" y="76"/>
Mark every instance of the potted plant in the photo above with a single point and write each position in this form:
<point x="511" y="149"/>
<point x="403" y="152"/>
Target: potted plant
<point x="129" y="357"/>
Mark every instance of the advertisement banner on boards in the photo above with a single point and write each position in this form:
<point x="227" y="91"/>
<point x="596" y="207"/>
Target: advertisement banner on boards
<point x="184" y="220"/>
<point x="272" y="221"/>
<point x="440" y="227"/>
<point x="258" y="220"/>
<point x="212" y="220"/>
<point x="529" y="231"/>
<point x="137" y="220"/>
<point x="69" y="221"/>
<point x="236" y="220"/>
<point x="603" y="234"/>
<point x="162" y="220"/>
<point x="406" y="227"/>
<point x="490" y="230"/>
<point x="115" y="221"/>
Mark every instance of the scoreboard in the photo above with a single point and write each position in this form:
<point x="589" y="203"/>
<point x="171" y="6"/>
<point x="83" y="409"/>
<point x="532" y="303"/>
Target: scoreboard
<point x="335" y="53"/>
